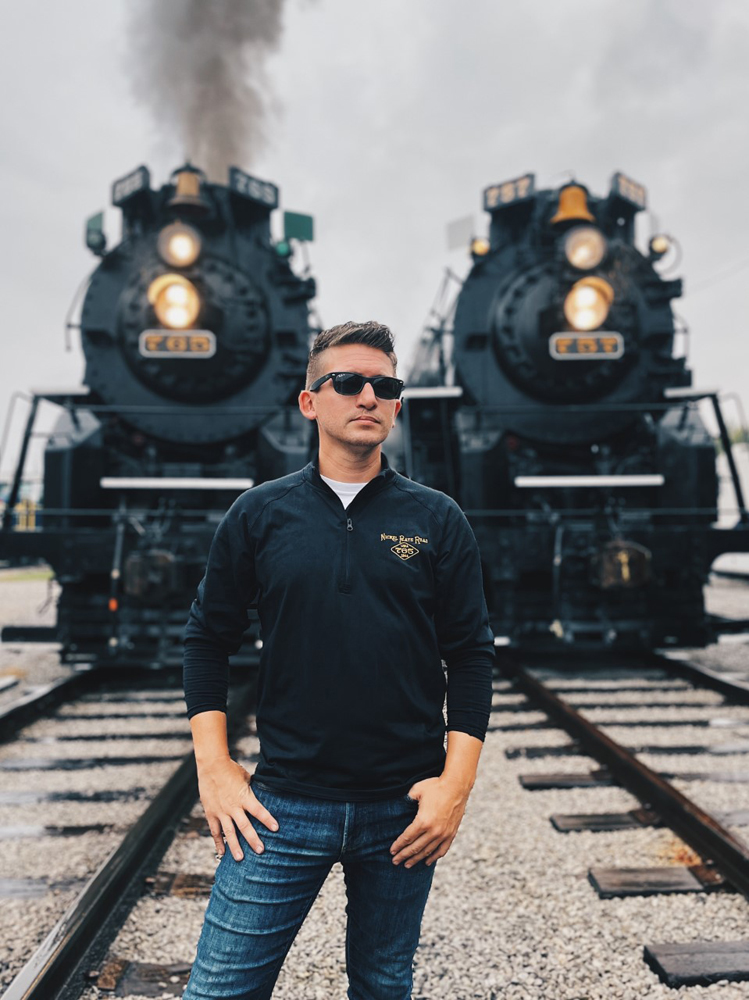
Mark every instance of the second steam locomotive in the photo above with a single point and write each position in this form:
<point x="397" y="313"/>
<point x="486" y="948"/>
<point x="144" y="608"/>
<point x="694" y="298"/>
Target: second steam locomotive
<point x="549" y="401"/>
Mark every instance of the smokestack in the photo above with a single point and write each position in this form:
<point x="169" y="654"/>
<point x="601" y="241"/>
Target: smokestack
<point x="199" y="69"/>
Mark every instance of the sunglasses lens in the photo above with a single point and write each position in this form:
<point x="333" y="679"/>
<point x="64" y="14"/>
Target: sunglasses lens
<point x="351" y="384"/>
<point x="386" y="388"/>
<point x="348" y="384"/>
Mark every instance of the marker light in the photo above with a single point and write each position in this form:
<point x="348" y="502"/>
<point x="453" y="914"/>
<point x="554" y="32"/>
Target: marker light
<point x="588" y="302"/>
<point x="480" y="246"/>
<point x="659" y="246"/>
<point x="175" y="301"/>
<point x="179" y="245"/>
<point x="585" y="247"/>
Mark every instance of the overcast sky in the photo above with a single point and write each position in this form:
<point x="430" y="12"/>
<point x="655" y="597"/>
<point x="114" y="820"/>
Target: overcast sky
<point x="389" y="119"/>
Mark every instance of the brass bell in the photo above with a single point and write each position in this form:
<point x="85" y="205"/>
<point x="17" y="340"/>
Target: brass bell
<point x="573" y="205"/>
<point x="187" y="198"/>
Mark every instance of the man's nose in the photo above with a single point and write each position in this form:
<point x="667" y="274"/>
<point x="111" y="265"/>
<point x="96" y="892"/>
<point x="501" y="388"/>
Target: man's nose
<point x="367" y="396"/>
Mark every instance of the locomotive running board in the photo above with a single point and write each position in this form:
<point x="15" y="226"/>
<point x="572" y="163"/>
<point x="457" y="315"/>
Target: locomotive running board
<point x="728" y="626"/>
<point x="29" y="633"/>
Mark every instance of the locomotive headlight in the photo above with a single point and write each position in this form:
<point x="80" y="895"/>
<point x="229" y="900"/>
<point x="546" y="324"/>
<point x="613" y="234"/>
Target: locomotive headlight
<point x="585" y="247"/>
<point x="179" y="245"/>
<point x="175" y="301"/>
<point x="588" y="302"/>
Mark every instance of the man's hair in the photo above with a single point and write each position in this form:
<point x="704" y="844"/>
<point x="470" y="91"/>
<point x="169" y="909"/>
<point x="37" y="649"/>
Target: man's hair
<point x="371" y="334"/>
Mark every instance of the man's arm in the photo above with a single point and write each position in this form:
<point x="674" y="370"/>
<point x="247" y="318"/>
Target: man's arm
<point x="224" y="787"/>
<point x="218" y="619"/>
<point x="466" y="639"/>
<point x="462" y="761"/>
<point x="442" y="803"/>
<point x="467" y="646"/>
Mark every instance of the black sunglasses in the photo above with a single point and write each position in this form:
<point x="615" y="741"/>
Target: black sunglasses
<point x="351" y="384"/>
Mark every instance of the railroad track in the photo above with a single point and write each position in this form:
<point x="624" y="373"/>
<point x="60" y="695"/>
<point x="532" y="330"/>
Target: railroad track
<point x="97" y="750"/>
<point x="588" y="705"/>
<point x="660" y="709"/>
<point x="44" y="699"/>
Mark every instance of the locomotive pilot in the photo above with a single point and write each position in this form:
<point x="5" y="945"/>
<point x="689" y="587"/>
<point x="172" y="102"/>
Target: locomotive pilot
<point x="365" y="582"/>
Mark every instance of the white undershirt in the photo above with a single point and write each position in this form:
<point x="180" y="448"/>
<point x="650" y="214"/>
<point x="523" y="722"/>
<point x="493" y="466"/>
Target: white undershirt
<point x="345" y="491"/>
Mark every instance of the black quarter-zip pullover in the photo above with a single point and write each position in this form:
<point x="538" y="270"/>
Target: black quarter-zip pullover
<point x="358" y="608"/>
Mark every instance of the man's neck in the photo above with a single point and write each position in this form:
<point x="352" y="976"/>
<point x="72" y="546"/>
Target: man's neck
<point x="345" y="467"/>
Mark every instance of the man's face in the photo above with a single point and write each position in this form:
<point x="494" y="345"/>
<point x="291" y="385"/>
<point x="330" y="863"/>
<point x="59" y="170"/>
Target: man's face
<point x="361" y="421"/>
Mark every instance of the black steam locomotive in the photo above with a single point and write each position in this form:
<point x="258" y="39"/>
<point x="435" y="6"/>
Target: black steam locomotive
<point x="549" y="402"/>
<point x="195" y="331"/>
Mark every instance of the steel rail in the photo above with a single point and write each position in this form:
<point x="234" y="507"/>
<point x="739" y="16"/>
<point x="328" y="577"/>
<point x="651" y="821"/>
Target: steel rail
<point x="709" y="838"/>
<point x="736" y="689"/>
<point x="92" y="921"/>
<point x="31" y="706"/>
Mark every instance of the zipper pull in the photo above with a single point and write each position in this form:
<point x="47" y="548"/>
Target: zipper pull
<point x="349" y="524"/>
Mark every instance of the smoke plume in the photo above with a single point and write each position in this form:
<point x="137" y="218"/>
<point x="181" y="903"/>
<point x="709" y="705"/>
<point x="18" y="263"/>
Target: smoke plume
<point x="199" y="69"/>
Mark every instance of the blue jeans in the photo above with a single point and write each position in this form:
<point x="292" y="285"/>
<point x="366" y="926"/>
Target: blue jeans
<point x="258" y="904"/>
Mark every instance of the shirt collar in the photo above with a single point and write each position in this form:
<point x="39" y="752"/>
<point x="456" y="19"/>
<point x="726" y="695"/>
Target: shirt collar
<point x="311" y="473"/>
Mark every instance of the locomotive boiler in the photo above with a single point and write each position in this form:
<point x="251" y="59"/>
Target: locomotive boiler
<point x="550" y="402"/>
<point x="195" y="331"/>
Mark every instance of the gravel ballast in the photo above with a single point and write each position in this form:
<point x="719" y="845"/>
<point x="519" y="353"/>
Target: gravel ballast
<point x="511" y="913"/>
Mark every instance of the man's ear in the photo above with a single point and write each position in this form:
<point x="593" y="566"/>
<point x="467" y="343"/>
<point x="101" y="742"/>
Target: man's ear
<point x="398" y="406"/>
<point x="307" y="404"/>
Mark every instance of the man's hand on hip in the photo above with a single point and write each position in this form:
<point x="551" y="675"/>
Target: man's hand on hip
<point x="442" y="803"/>
<point x="226" y="795"/>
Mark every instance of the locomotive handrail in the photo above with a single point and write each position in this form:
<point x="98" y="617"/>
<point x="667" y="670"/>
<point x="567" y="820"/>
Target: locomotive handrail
<point x="414" y="393"/>
<point x="9" y="419"/>
<point x="585" y="407"/>
<point x="112" y="511"/>
<point x="15" y="488"/>
<point x="70" y="403"/>
<point x="591" y="511"/>
<point x="505" y="512"/>
<point x="725" y="439"/>
<point x="56" y="520"/>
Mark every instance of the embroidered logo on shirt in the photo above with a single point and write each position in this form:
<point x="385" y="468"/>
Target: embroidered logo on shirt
<point x="404" y="551"/>
<point x="404" y="547"/>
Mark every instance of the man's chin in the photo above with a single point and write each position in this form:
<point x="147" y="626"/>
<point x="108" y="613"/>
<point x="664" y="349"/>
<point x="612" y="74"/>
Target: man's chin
<point x="365" y="435"/>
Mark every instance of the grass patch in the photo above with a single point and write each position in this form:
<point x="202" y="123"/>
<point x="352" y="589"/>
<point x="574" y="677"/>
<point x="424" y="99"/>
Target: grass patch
<point x="22" y="574"/>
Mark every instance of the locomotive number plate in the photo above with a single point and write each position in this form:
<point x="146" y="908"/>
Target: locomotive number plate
<point x="509" y="192"/>
<point x="586" y="346"/>
<point x="629" y="190"/>
<point x="169" y="344"/>
<point x="253" y="188"/>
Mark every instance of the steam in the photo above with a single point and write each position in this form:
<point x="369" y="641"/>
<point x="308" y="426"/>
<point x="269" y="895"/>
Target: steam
<point x="199" y="69"/>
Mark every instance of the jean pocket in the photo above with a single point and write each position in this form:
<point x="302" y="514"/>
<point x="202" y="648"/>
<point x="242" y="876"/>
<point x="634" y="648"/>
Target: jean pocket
<point x="260" y="785"/>
<point x="407" y="798"/>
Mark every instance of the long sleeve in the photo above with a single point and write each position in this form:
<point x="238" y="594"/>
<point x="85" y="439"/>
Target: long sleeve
<point x="218" y="616"/>
<point x="465" y="638"/>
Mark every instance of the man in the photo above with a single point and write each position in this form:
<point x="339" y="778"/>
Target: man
<point x="364" y="583"/>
